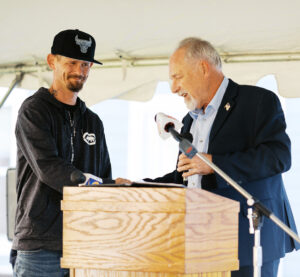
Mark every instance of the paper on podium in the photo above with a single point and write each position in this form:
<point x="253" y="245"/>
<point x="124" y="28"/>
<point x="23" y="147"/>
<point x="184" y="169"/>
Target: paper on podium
<point x="144" y="184"/>
<point x="135" y="184"/>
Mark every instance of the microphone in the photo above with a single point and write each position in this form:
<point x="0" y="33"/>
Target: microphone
<point x="85" y="179"/>
<point x="165" y="125"/>
<point x="187" y="136"/>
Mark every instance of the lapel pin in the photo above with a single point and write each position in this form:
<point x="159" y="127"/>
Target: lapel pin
<point x="227" y="107"/>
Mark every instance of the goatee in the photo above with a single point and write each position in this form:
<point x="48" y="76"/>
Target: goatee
<point x="77" y="85"/>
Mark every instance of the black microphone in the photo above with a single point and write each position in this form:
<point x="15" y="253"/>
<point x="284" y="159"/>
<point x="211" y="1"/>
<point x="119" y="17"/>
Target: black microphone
<point x="167" y="126"/>
<point x="77" y="177"/>
<point x="187" y="136"/>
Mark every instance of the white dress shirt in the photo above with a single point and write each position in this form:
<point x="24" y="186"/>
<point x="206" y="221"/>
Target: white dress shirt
<point x="201" y="126"/>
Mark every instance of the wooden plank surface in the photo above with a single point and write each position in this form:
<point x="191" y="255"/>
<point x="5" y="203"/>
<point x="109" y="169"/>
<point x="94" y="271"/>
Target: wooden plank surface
<point x="101" y="273"/>
<point x="149" y="230"/>
<point x="127" y="241"/>
<point x="211" y="232"/>
<point x="137" y="207"/>
<point x="129" y="229"/>
<point x="111" y="194"/>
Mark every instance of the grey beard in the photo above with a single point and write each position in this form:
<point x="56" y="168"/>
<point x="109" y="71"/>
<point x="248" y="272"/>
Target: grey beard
<point x="191" y="105"/>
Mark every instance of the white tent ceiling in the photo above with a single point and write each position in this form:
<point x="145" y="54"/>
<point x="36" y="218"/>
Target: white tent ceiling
<point x="135" y="38"/>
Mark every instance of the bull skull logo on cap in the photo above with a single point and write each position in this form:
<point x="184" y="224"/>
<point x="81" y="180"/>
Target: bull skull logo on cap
<point x="84" y="44"/>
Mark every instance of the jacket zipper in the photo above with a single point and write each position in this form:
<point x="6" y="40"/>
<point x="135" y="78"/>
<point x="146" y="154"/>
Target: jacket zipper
<point x="73" y="133"/>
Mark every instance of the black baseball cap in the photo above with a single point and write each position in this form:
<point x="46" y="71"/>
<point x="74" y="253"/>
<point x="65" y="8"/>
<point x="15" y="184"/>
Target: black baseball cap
<point x="75" y="44"/>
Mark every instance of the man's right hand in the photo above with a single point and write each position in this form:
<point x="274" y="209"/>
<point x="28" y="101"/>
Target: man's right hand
<point x="120" y="181"/>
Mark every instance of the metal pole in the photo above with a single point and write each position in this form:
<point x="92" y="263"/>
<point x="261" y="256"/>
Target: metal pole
<point x="15" y="82"/>
<point x="256" y="223"/>
<point x="190" y="151"/>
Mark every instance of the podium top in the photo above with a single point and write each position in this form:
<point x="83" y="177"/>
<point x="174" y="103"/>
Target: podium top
<point x="192" y="198"/>
<point x="138" y="185"/>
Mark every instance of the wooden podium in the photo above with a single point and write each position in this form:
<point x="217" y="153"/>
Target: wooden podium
<point x="159" y="232"/>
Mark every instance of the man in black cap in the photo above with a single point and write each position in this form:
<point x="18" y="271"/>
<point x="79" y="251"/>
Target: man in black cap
<point x="56" y="135"/>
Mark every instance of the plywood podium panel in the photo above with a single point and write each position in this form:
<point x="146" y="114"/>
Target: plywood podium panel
<point x="131" y="231"/>
<point x="102" y="273"/>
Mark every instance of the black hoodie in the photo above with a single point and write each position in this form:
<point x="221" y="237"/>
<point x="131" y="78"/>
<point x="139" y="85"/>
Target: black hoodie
<point x="52" y="142"/>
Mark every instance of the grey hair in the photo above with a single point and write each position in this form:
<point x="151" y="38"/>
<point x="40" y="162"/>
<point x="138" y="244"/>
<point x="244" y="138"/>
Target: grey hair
<point x="197" y="48"/>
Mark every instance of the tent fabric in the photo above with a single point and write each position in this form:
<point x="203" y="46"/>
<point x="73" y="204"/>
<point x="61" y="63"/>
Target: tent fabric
<point x="136" y="37"/>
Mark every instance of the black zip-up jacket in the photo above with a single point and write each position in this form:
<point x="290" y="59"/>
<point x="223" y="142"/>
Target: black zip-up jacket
<point x="52" y="142"/>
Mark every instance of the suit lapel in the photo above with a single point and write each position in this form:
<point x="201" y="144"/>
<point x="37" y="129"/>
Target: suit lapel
<point x="226" y="107"/>
<point x="187" y="123"/>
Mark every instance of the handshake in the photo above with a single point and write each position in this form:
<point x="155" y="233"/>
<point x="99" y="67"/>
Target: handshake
<point x="87" y="179"/>
<point x="188" y="163"/>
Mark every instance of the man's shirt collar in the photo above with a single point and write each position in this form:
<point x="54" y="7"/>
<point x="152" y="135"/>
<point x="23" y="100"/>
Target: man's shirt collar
<point x="214" y="103"/>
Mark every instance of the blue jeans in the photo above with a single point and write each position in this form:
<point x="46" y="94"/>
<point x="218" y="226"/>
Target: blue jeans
<point x="39" y="263"/>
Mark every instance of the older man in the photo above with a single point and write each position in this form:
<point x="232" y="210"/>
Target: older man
<point x="56" y="135"/>
<point x="242" y="130"/>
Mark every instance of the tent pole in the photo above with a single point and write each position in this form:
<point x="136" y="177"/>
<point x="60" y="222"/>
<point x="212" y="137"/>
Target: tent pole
<point x="15" y="82"/>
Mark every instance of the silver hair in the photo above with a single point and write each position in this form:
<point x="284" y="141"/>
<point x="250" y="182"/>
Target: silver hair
<point x="197" y="48"/>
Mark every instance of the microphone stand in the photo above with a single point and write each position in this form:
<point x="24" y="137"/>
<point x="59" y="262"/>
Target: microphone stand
<point x="255" y="213"/>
